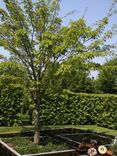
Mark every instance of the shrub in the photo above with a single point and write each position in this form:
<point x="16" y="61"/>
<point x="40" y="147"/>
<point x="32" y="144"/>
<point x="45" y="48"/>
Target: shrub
<point x="80" y="108"/>
<point x="12" y="102"/>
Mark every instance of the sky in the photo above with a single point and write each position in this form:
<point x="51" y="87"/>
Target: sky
<point x="92" y="10"/>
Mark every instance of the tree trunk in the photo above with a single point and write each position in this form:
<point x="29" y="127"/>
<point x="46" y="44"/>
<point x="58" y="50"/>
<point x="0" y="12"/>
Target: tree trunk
<point x="37" y="122"/>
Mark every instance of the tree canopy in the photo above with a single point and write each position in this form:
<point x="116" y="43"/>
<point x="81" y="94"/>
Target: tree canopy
<point x="33" y="33"/>
<point x="107" y="79"/>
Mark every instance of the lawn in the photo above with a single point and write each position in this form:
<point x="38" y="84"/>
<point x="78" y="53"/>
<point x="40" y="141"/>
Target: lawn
<point x="93" y="128"/>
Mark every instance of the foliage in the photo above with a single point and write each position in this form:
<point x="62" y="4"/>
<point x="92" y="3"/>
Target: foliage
<point x="12" y="72"/>
<point x="2" y="57"/>
<point x="11" y="103"/>
<point x="80" y="108"/>
<point x="33" y="32"/>
<point x="107" y="79"/>
<point x="26" y="146"/>
<point x="72" y="74"/>
<point x="13" y="95"/>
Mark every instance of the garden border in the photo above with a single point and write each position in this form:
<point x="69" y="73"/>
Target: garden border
<point x="70" y="152"/>
<point x="8" y="149"/>
<point x="54" y="153"/>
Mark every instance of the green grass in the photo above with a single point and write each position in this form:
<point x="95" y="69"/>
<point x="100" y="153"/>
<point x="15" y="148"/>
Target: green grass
<point x="14" y="129"/>
<point x="26" y="146"/>
<point x="93" y="128"/>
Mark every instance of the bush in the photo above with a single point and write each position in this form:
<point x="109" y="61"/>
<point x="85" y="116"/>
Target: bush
<point x="80" y="108"/>
<point x="65" y="109"/>
<point x="12" y="102"/>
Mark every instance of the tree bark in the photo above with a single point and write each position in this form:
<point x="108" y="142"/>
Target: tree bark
<point x="37" y="122"/>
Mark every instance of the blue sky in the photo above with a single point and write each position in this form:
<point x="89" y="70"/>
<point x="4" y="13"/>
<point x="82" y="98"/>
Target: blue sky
<point x="93" y="9"/>
<point x="96" y="9"/>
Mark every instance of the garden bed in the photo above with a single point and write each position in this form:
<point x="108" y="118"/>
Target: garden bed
<point x="60" y="142"/>
<point x="25" y="145"/>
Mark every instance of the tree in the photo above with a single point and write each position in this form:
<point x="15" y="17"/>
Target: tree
<point x="75" y="79"/>
<point x="33" y="32"/>
<point x="2" y="58"/>
<point x="107" y="79"/>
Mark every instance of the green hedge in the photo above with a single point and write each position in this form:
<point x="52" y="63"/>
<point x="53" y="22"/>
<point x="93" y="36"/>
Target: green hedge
<point x="74" y="108"/>
<point x="13" y="105"/>
<point x="65" y="109"/>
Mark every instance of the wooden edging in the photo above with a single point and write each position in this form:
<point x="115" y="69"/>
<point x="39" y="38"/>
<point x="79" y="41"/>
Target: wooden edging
<point x="8" y="149"/>
<point x="53" y="153"/>
<point x="12" y="152"/>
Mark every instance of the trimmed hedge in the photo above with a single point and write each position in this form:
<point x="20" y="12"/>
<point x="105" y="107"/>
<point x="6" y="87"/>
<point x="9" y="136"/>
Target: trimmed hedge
<point x="65" y="109"/>
<point x="13" y="105"/>
<point x="80" y="108"/>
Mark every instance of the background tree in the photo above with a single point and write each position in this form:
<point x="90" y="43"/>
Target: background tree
<point x="75" y="78"/>
<point x="33" y="32"/>
<point x="107" y="78"/>
<point x="2" y="58"/>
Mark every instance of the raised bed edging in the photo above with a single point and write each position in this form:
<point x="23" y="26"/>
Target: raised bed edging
<point x="11" y="152"/>
<point x="70" y="152"/>
<point x="8" y="150"/>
